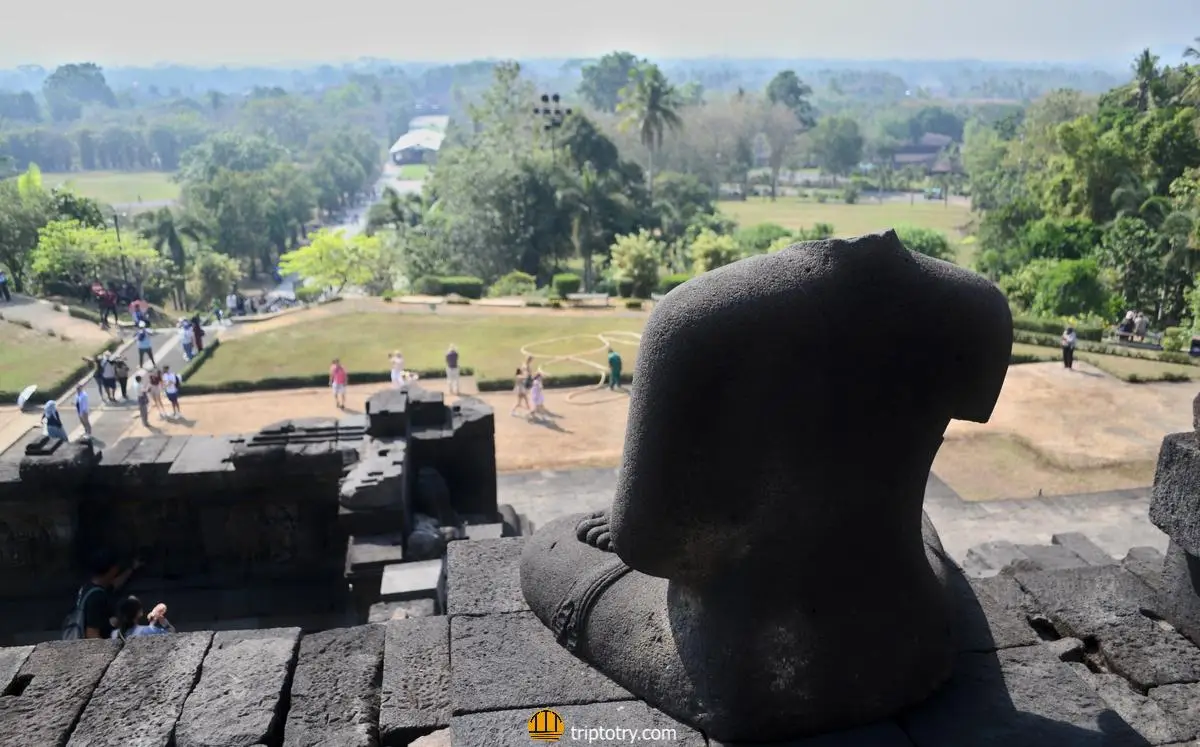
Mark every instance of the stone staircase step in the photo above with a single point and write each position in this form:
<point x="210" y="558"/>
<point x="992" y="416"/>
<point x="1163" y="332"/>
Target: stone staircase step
<point x="1079" y="544"/>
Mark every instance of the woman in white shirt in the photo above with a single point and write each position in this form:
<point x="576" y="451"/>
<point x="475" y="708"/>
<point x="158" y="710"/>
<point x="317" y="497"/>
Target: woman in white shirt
<point x="1068" y="347"/>
<point x="397" y="369"/>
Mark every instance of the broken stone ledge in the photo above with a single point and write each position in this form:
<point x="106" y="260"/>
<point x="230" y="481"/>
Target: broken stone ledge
<point x="1056" y="654"/>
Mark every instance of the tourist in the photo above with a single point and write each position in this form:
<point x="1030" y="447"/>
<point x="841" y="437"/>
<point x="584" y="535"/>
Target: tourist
<point x="98" y="373"/>
<point x="186" y="339"/>
<point x="1068" y="347"/>
<point x="129" y="612"/>
<point x="614" y="369"/>
<point x="337" y="381"/>
<point x="231" y="303"/>
<point x="452" y="370"/>
<point x="108" y="374"/>
<point x="4" y="286"/>
<point x="1141" y="325"/>
<point x="145" y="347"/>
<point x="1125" y="328"/>
<point x="143" y="400"/>
<point x="171" y="383"/>
<point x="397" y="361"/>
<point x="121" y="370"/>
<point x="198" y="333"/>
<point x="154" y="381"/>
<point x="522" y="392"/>
<point x="83" y="410"/>
<point x="93" y="604"/>
<point x="52" y="421"/>
<point x="537" y="393"/>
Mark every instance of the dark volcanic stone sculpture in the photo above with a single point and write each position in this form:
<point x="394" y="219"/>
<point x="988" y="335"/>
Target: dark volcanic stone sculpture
<point x="761" y="574"/>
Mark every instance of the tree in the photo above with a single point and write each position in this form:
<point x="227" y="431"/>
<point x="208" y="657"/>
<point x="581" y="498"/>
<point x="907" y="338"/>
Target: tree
<point x="24" y="209"/>
<point x="68" y="251"/>
<point x="603" y="79"/>
<point x="925" y="241"/>
<point x="1145" y="75"/>
<point x="786" y="89"/>
<point x="635" y="261"/>
<point x="333" y="260"/>
<point x="1060" y="288"/>
<point x="779" y="128"/>
<point x="651" y="105"/>
<point x="710" y="251"/>
<point x="211" y="277"/>
<point x="70" y="87"/>
<point x="837" y="145"/>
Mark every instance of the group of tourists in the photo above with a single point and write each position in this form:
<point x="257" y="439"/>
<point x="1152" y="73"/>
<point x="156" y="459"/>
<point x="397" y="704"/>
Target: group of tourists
<point x="530" y="386"/>
<point x="110" y="373"/>
<point x="339" y="379"/>
<point x="95" y="616"/>
<point x="1133" y="327"/>
<point x="191" y="337"/>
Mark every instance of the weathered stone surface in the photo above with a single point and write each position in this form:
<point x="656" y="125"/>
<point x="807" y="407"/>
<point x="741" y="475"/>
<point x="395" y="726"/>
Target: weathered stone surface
<point x="11" y="661"/>
<point x="240" y="697"/>
<point x="61" y="679"/>
<point x="1066" y="649"/>
<point x="427" y="540"/>
<point x="384" y="611"/>
<point x="415" y="580"/>
<point x="1182" y="704"/>
<point x="1149" y="653"/>
<point x="1019" y="696"/>
<point x="375" y="551"/>
<point x="204" y="454"/>
<point x="1082" y="601"/>
<point x="512" y="661"/>
<point x="483" y="577"/>
<point x="1079" y="544"/>
<point x="985" y="623"/>
<point x="1175" y="497"/>
<point x="995" y="555"/>
<point x="1179" y="587"/>
<point x="335" y="689"/>
<point x="416" y="679"/>
<point x="439" y="738"/>
<point x="377" y="480"/>
<point x="510" y="728"/>
<point x="142" y="693"/>
<point x="484" y="531"/>
<point x="1146" y="563"/>
<point x="1049" y="557"/>
<point x="1144" y="714"/>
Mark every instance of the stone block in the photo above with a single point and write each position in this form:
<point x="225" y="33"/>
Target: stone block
<point x="1079" y="544"/>
<point x="995" y="555"/>
<point x="1144" y="714"/>
<point x="1081" y="601"/>
<point x="1018" y="696"/>
<point x="510" y="728"/>
<point x="483" y="577"/>
<point x="335" y="689"/>
<point x="417" y="580"/>
<point x="1148" y="653"/>
<point x="11" y="661"/>
<point x="1146" y="563"/>
<point x="415" y="697"/>
<point x="1175" y="497"/>
<point x="484" y="531"/>
<point x="1048" y="557"/>
<point x="1066" y="649"/>
<point x="387" y="414"/>
<point x="1179" y="584"/>
<point x="986" y="623"/>
<point x="61" y="677"/>
<point x="512" y="661"/>
<point x="372" y="521"/>
<point x="241" y="696"/>
<point x="1182" y="704"/>
<point x="382" y="612"/>
<point x="373" y="552"/>
<point x="203" y="454"/>
<point x="142" y="693"/>
<point x="379" y="479"/>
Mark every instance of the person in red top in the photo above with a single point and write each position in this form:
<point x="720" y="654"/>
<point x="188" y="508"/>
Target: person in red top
<point x="337" y="380"/>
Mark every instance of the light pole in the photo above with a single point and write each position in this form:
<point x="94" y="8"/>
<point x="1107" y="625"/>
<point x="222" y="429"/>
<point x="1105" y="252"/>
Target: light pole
<point x="117" y="226"/>
<point x="553" y="115"/>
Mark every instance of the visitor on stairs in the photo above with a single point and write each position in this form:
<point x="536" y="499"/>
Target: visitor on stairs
<point x="198" y="333"/>
<point x="52" y="421"/>
<point x="83" y="409"/>
<point x="92" y="614"/>
<point x="108" y="373"/>
<point x="143" y="399"/>
<point x="186" y="339"/>
<point x="155" y="387"/>
<point x="145" y="347"/>
<point x="121" y="369"/>
<point x="129" y="612"/>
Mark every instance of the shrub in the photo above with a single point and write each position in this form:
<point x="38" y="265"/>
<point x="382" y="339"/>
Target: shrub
<point x="1176" y="339"/>
<point x="535" y="302"/>
<point x="624" y="288"/>
<point x="81" y="313"/>
<point x="633" y="303"/>
<point x="671" y="282"/>
<point x="710" y="251"/>
<point x="1092" y="332"/>
<point x="850" y="193"/>
<point x="821" y="197"/>
<point x="566" y="283"/>
<point x="925" y="241"/>
<point x="515" y="283"/>
<point x="427" y="286"/>
<point x="462" y="285"/>
<point x="1172" y="356"/>
<point x="458" y="300"/>
<point x="818" y="232"/>
<point x="388" y="295"/>
<point x="635" y="261"/>
<point x="308" y="293"/>
<point x="758" y="238"/>
<point x="554" y="303"/>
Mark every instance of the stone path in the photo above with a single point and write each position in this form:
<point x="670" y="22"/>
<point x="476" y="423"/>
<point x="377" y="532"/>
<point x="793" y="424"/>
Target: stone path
<point x="1116" y="520"/>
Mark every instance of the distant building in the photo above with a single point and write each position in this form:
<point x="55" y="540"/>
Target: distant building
<point x="417" y="146"/>
<point x="926" y="154"/>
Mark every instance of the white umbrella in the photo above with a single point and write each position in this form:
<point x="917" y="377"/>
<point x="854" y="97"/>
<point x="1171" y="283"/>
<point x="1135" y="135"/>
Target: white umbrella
<point x="25" y="394"/>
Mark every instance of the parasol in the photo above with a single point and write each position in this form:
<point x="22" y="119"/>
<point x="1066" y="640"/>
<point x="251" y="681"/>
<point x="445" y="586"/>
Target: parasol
<point x="25" y="394"/>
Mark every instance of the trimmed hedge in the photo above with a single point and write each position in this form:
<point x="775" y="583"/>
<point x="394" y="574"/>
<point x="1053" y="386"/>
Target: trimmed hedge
<point x="634" y="304"/>
<point x="669" y="283"/>
<point x="64" y="384"/>
<point x="566" y="282"/>
<point x="1055" y="327"/>
<point x="1055" y="340"/>
<point x="557" y="381"/>
<point x="1016" y="359"/>
<point x="1163" y="377"/>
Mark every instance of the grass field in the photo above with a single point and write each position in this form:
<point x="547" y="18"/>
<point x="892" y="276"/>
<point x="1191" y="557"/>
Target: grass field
<point x="34" y="357"/>
<point x="119" y="187"/>
<point x="1119" y="366"/>
<point x="489" y="344"/>
<point x="852" y="220"/>
<point x="413" y="172"/>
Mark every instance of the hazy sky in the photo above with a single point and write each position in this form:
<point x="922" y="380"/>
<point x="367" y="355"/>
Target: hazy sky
<point x="236" y="32"/>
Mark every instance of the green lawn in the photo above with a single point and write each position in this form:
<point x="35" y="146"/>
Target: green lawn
<point x="118" y="187"/>
<point x="488" y="343"/>
<point x="414" y="172"/>
<point x="853" y="220"/>
<point x="34" y="357"/>
<point x="1117" y="365"/>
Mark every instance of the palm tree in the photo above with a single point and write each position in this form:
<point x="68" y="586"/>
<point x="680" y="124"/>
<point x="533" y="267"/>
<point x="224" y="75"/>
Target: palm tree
<point x="651" y="104"/>
<point x="1191" y="93"/>
<point x="588" y="197"/>
<point x="1145" y="75"/>
<point x="165" y="232"/>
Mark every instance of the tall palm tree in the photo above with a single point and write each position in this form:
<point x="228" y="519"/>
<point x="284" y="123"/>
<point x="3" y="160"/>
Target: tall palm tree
<point x="651" y="104"/>
<point x="589" y="197"/>
<point x="166" y="233"/>
<point x="1145" y="75"/>
<point x="1191" y="93"/>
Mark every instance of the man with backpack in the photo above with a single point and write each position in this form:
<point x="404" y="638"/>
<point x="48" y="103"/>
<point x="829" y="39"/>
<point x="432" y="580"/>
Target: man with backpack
<point x="92" y="615"/>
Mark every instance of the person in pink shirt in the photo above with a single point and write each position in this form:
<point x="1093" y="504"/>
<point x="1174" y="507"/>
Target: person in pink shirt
<point x="337" y="380"/>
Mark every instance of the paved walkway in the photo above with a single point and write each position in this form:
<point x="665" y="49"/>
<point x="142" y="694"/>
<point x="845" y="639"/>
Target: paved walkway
<point x="1116" y="521"/>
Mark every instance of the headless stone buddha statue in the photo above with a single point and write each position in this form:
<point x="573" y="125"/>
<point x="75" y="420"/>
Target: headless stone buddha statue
<point x="766" y="571"/>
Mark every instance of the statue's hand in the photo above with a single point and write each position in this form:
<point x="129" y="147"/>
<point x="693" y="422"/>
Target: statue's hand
<point x="593" y="530"/>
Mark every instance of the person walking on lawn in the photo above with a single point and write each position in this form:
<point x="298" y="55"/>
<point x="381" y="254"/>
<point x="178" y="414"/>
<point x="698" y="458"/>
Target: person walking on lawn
<point x="171" y="382"/>
<point x="338" y="378"/>
<point x="614" y="369"/>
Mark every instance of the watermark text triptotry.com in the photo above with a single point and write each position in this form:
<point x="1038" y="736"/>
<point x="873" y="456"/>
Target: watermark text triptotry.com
<point x="547" y="726"/>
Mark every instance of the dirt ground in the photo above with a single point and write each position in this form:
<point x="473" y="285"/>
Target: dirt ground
<point x="1053" y="431"/>
<point x="586" y="431"/>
